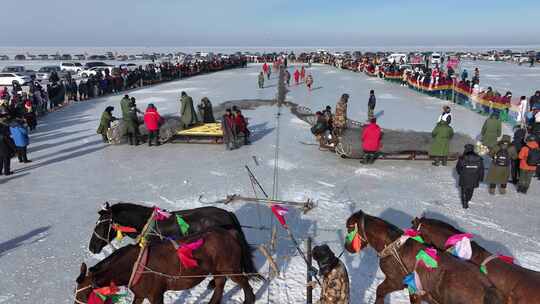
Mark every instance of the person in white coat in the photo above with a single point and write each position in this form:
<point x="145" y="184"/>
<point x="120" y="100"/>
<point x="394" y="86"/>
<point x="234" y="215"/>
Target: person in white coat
<point x="523" y="107"/>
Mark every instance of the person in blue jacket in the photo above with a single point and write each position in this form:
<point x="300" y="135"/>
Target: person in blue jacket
<point x="19" y="134"/>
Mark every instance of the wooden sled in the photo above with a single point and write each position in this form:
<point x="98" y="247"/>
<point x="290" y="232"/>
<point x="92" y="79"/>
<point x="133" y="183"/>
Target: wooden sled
<point x="209" y="133"/>
<point x="401" y="155"/>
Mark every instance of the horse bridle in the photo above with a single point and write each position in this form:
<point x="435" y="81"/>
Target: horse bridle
<point x="77" y="292"/>
<point x="107" y="239"/>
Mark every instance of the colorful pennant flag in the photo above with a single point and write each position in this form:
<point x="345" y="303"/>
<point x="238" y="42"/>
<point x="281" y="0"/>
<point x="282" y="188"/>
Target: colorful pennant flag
<point x="506" y="259"/>
<point x="120" y="230"/>
<point x="105" y="295"/>
<point x="412" y="280"/>
<point x="415" y="235"/>
<point x="353" y="240"/>
<point x="161" y="215"/>
<point x="184" y="226"/>
<point x="428" y="258"/>
<point x="460" y="245"/>
<point x="185" y="253"/>
<point x="280" y="212"/>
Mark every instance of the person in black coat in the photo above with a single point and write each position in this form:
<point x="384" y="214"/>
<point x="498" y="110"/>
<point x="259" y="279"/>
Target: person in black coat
<point x="518" y="142"/>
<point x="470" y="168"/>
<point x="372" y="102"/>
<point x="7" y="148"/>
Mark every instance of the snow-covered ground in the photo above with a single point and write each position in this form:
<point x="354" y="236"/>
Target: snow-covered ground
<point x="48" y="208"/>
<point x="503" y="76"/>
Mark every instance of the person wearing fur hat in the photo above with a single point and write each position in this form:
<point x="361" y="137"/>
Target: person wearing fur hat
<point x="335" y="285"/>
<point x="340" y="119"/>
<point x="105" y="123"/>
<point x="502" y="156"/>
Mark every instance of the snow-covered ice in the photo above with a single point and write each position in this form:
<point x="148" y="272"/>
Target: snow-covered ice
<point x="48" y="208"/>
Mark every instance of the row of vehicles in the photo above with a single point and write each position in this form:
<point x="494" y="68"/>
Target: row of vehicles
<point x="20" y="75"/>
<point x="434" y="58"/>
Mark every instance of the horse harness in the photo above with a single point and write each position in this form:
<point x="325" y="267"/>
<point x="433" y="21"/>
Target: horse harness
<point x="487" y="260"/>
<point x="77" y="292"/>
<point x="390" y="250"/>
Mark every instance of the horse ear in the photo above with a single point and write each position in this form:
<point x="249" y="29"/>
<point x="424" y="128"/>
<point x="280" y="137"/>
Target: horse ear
<point x="415" y="222"/>
<point x="82" y="275"/>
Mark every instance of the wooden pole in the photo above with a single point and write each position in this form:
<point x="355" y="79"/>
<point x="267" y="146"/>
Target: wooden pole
<point x="309" y="291"/>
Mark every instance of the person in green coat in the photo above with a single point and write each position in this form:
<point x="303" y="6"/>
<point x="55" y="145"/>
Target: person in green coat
<point x="440" y="148"/>
<point x="124" y="106"/>
<point x="502" y="155"/>
<point x="105" y="123"/>
<point x="491" y="131"/>
<point x="131" y="121"/>
<point x="188" y="116"/>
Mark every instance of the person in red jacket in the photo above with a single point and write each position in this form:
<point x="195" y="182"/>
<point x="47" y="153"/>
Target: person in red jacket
<point x="296" y="76"/>
<point x="371" y="141"/>
<point x="152" y="120"/>
<point x="241" y="125"/>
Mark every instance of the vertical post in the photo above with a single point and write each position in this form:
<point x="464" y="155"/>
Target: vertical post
<point x="309" y="290"/>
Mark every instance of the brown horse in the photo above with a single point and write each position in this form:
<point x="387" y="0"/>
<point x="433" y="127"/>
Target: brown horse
<point x="518" y="285"/>
<point x="219" y="256"/>
<point x="452" y="282"/>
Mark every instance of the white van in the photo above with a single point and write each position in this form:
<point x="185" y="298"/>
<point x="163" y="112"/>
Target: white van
<point x="436" y="58"/>
<point x="397" y="58"/>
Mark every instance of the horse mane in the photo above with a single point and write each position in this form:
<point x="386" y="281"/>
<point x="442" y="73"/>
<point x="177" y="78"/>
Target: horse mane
<point x="111" y="259"/>
<point x="440" y="223"/>
<point x="393" y="231"/>
<point x="119" y="207"/>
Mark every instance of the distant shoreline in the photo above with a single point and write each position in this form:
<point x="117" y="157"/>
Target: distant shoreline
<point x="132" y="50"/>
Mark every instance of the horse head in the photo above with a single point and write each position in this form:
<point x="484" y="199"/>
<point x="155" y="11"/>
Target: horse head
<point x="356" y="240"/>
<point x="84" y="286"/>
<point x="103" y="233"/>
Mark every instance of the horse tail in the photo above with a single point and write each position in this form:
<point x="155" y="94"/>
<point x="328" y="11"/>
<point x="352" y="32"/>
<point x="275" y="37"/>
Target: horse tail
<point x="493" y="296"/>
<point x="247" y="251"/>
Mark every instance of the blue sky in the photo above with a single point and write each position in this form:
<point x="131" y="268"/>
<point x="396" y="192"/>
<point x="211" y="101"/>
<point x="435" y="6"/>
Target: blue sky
<point x="269" y="23"/>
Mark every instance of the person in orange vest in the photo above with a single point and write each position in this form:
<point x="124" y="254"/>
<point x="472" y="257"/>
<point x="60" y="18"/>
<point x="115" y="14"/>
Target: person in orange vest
<point x="529" y="157"/>
<point x="302" y="73"/>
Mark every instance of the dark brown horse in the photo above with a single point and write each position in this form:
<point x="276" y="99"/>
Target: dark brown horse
<point x="452" y="282"/>
<point x="136" y="216"/>
<point x="518" y="285"/>
<point x="219" y="256"/>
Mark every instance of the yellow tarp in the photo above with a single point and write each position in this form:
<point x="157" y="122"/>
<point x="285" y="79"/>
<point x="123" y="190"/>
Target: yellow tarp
<point x="209" y="129"/>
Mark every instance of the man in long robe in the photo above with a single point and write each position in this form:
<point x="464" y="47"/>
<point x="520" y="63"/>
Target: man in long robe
<point x="188" y="115"/>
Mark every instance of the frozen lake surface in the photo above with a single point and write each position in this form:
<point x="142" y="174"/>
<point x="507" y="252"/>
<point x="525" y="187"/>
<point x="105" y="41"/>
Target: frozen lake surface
<point x="48" y="208"/>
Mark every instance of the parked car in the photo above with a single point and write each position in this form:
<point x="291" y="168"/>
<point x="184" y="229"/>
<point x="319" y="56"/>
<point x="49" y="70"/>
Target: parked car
<point x="92" y="64"/>
<point x="436" y="58"/>
<point x="397" y="58"/>
<point x="44" y="73"/>
<point x="73" y="67"/>
<point x="19" y="69"/>
<point x="7" y="79"/>
<point x="129" y="66"/>
<point x="93" y="71"/>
